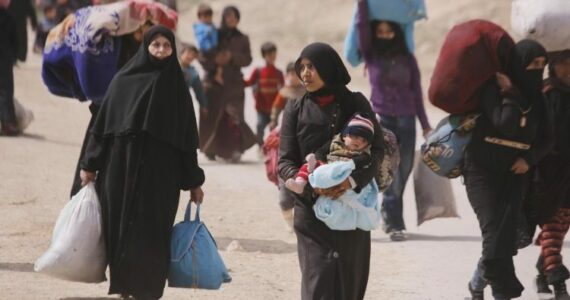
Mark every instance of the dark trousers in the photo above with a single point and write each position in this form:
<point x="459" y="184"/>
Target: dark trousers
<point x="263" y="120"/>
<point x="7" y="113"/>
<point x="76" y="185"/>
<point x="496" y="198"/>
<point x="392" y="204"/>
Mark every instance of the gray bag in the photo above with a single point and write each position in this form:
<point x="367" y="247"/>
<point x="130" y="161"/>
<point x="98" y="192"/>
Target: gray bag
<point x="434" y="196"/>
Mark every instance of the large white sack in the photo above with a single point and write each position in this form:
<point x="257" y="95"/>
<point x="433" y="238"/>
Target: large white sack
<point x="546" y="21"/>
<point x="77" y="249"/>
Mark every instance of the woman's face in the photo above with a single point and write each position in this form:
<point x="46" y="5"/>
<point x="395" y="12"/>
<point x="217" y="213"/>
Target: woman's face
<point x="160" y="47"/>
<point x="309" y="76"/>
<point x="537" y="63"/>
<point x="384" y="31"/>
<point x="562" y="71"/>
<point x="231" y="20"/>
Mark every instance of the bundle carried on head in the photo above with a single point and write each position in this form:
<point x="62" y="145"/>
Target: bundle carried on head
<point x="472" y="53"/>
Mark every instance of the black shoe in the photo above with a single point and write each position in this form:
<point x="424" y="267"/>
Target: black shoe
<point x="475" y="295"/>
<point x="560" y="292"/>
<point x="211" y="157"/>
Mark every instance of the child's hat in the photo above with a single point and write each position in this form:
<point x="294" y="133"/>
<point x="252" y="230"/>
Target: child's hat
<point x="360" y="126"/>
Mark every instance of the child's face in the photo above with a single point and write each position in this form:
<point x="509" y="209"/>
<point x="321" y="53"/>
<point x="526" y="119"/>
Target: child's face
<point x="271" y="57"/>
<point x="562" y="71"/>
<point x="187" y="57"/>
<point x="206" y="18"/>
<point x="355" y="143"/>
<point x="292" y="79"/>
<point x="50" y="13"/>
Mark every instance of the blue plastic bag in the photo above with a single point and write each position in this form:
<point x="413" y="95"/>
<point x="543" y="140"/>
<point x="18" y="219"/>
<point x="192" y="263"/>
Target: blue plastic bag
<point x="404" y="12"/>
<point x="194" y="258"/>
<point x="444" y="149"/>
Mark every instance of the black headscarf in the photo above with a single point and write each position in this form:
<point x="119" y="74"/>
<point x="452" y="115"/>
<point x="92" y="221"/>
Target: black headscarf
<point x="553" y="80"/>
<point x="529" y="82"/>
<point x="151" y="96"/>
<point x="328" y="64"/>
<point x="225" y="32"/>
<point x="389" y="47"/>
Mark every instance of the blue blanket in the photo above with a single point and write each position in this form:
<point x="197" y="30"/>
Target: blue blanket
<point x="350" y="211"/>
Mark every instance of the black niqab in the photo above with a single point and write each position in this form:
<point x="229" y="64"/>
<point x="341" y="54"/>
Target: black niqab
<point x="328" y="64"/>
<point x="389" y="47"/>
<point x="151" y="97"/>
<point x="529" y="82"/>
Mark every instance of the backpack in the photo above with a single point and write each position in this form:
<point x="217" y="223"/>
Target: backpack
<point x="195" y="261"/>
<point x="444" y="149"/>
<point x="468" y="58"/>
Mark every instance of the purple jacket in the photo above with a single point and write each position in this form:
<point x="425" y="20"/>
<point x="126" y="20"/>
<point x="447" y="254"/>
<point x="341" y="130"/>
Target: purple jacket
<point x="395" y="82"/>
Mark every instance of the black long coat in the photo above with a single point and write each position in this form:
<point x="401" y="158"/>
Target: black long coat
<point x="21" y="10"/>
<point x="138" y="182"/>
<point x="334" y="264"/>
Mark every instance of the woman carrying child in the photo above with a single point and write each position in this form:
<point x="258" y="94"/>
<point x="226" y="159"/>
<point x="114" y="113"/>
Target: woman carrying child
<point x="334" y="264"/>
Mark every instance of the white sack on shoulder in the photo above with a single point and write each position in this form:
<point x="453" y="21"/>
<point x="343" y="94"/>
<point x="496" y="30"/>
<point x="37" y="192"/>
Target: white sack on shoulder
<point x="77" y="249"/>
<point x="545" y="21"/>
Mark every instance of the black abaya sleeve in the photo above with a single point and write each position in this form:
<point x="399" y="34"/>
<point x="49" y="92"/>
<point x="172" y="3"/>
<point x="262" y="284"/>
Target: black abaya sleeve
<point x="545" y="139"/>
<point x="192" y="175"/>
<point x="289" y="151"/>
<point x="94" y="153"/>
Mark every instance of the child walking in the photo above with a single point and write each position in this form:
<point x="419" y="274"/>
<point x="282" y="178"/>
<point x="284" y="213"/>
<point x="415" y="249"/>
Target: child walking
<point x="207" y="35"/>
<point x="188" y="54"/>
<point x="49" y="22"/>
<point x="292" y="90"/>
<point x="266" y="82"/>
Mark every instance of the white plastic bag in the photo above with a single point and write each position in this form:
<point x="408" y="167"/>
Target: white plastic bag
<point x="434" y="196"/>
<point x="77" y="249"/>
<point x="546" y="21"/>
<point x="24" y="116"/>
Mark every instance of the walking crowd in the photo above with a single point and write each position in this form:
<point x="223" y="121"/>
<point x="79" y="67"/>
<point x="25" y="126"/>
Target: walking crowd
<point x="341" y="160"/>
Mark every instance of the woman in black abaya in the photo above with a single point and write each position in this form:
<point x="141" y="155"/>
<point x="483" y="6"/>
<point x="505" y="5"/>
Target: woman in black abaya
<point x="142" y="148"/>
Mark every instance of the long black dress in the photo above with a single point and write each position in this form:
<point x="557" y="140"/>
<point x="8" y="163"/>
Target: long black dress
<point x="143" y="145"/>
<point x="334" y="264"/>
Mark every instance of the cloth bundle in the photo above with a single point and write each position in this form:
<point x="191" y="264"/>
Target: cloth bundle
<point x="81" y="53"/>
<point x="403" y="12"/>
<point x="351" y="210"/>
<point x="545" y="21"/>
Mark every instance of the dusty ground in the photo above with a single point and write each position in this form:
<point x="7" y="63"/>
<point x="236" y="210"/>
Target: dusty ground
<point x="36" y="172"/>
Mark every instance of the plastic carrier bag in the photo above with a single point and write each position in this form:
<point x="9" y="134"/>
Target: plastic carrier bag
<point x="77" y="249"/>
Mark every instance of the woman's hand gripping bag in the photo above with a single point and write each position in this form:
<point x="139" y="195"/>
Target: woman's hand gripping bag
<point x="444" y="149"/>
<point x="77" y="249"/>
<point x="194" y="258"/>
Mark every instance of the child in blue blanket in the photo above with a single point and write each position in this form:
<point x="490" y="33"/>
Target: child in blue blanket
<point x="353" y="143"/>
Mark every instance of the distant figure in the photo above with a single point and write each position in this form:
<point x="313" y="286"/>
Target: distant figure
<point x="223" y="132"/>
<point x="21" y="10"/>
<point x="266" y="82"/>
<point x="206" y="36"/>
<point x="188" y="54"/>
<point x="292" y="90"/>
<point x="397" y="97"/>
<point x="49" y="22"/>
<point x="141" y="152"/>
<point x="8" y="55"/>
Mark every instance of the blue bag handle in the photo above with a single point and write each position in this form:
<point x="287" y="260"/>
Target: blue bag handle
<point x="189" y="211"/>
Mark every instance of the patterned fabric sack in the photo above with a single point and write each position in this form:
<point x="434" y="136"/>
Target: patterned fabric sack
<point x="444" y="149"/>
<point x="390" y="162"/>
